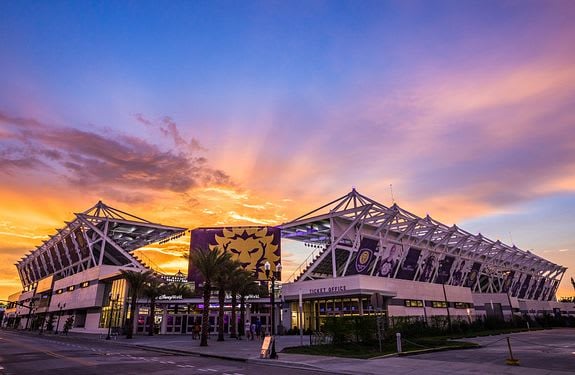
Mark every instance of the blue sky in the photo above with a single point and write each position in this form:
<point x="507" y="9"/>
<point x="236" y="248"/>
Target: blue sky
<point x="217" y="112"/>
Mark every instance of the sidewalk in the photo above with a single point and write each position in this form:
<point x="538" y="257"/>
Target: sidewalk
<point x="249" y="351"/>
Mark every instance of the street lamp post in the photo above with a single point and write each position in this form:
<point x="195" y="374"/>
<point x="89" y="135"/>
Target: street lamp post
<point x="61" y="307"/>
<point x="33" y="318"/>
<point x="112" y="303"/>
<point x="30" y="308"/>
<point x="274" y="275"/>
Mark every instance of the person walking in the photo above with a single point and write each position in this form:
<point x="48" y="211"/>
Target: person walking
<point x="247" y="330"/>
<point x="259" y="329"/>
<point x="253" y="331"/>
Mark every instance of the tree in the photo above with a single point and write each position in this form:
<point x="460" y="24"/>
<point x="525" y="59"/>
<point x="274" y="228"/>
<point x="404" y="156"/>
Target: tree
<point x="224" y="281"/>
<point x="179" y="288"/>
<point x="136" y="280"/>
<point x="68" y="325"/>
<point x="236" y="282"/>
<point x="246" y="285"/>
<point x="208" y="264"/>
<point x="154" y="288"/>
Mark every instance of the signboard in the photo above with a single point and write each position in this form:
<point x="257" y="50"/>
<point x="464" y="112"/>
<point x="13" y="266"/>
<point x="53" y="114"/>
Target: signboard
<point x="266" y="347"/>
<point x="409" y="265"/>
<point x="472" y="275"/>
<point x="429" y="264"/>
<point x="389" y="261"/>
<point x="364" y="257"/>
<point x="445" y="269"/>
<point x="45" y="284"/>
<point x="251" y="246"/>
<point x="524" y="286"/>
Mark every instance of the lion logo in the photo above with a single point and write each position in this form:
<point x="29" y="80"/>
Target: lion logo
<point x="251" y="246"/>
<point x="362" y="260"/>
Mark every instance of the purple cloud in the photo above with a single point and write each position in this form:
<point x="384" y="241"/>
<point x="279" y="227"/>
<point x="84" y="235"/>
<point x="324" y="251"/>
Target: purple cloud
<point x="102" y="159"/>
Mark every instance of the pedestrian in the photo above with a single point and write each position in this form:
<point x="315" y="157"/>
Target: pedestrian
<point x="252" y="331"/>
<point x="247" y="328"/>
<point x="259" y="328"/>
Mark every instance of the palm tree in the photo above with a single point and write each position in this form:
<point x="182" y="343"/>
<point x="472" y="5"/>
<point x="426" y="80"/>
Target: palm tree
<point x="153" y="289"/>
<point x="179" y="288"/>
<point x="246" y="285"/>
<point x="237" y="278"/>
<point x="136" y="280"/>
<point x="208" y="263"/>
<point x="223" y="282"/>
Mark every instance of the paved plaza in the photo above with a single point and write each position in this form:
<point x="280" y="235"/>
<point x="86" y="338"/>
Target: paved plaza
<point x="538" y="352"/>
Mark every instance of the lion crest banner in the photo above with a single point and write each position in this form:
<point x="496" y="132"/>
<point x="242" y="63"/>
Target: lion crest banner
<point x="252" y="246"/>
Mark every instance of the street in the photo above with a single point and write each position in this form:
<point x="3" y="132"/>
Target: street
<point x="33" y="354"/>
<point x="552" y="350"/>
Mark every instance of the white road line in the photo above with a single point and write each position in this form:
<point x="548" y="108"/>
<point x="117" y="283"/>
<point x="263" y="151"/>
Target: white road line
<point x="202" y="370"/>
<point x="171" y="363"/>
<point x="212" y="370"/>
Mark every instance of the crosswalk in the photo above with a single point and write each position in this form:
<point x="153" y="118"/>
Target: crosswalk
<point x="127" y="356"/>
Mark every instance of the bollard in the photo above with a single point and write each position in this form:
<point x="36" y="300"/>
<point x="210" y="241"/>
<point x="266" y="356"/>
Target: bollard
<point x="511" y="361"/>
<point x="528" y="328"/>
<point x="398" y="337"/>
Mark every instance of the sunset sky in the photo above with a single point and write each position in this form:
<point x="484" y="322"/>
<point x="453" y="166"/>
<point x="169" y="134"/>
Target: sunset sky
<point x="196" y="113"/>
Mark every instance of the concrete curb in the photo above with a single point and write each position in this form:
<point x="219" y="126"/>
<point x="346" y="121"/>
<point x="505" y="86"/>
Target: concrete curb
<point x="432" y="350"/>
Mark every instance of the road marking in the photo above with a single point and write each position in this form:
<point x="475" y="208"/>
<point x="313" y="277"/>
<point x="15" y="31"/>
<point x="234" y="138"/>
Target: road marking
<point x="52" y="354"/>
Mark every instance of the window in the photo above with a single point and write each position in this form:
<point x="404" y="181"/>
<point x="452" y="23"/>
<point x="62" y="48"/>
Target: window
<point x="60" y="291"/>
<point x="85" y="284"/>
<point x="71" y="288"/>
<point x="439" y="304"/>
<point x="463" y="305"/>
<point x="413" y="303"/>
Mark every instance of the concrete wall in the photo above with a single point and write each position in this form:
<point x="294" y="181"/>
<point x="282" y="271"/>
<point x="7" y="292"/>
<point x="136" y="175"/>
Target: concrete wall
<point x="483" y="302"/>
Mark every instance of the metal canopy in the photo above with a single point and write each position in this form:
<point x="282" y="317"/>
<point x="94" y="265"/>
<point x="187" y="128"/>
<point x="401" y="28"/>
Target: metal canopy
<point x="443" y="254"/>
<point x="101" y="235"/>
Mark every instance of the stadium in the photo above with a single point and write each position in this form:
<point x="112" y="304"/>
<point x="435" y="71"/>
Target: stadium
<point x="358" y="249"/>
<point x="77" y="268"/>
<point x="419" y="266"/>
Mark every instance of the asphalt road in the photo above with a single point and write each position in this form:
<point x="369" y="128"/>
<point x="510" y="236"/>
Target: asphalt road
<point x="32" y="354"/>
<point x="548" y="349"/>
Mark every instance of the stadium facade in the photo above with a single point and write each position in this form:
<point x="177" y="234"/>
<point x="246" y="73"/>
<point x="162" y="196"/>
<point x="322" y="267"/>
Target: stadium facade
<point x="419" y="266"/>
<point x="74" y="272"/>
<point x="358" y="248"/>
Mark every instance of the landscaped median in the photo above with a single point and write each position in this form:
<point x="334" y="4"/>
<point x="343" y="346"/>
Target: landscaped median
<point x="356" y="336"/>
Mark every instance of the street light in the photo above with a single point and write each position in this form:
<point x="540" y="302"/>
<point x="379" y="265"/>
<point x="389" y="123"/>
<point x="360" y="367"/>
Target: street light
<point x="33" y="316"/>
<point x="112" y="303"/>
<point x="30" y="308"/>
<point x="61" y="307"/>
<point x="274" y="275"/>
